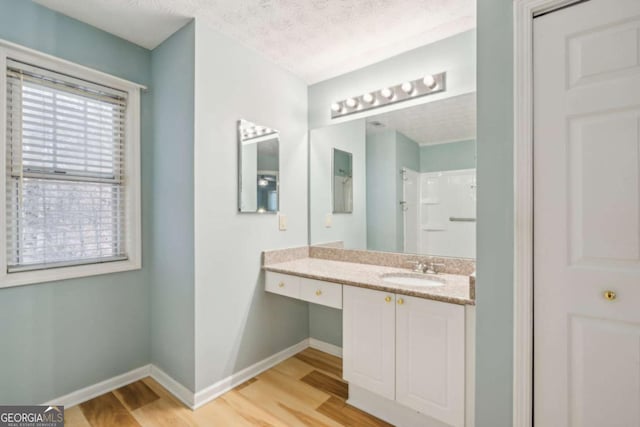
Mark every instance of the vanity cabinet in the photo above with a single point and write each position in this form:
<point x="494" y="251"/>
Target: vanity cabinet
<point x="369" y="340"/>
<point x="407" y="349"/>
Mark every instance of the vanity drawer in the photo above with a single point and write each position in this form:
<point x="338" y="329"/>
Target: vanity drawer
<point x="319" y="292"/>
<point x="283" y="284"/>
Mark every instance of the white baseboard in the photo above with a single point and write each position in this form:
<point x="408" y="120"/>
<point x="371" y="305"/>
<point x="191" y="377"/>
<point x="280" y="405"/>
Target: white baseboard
<point x="79" y="396"/>
<point x="325" y="346"/>
<point x="186" y="396"/>
<point x="179" y="391"/>
<point x="208" y="394"/>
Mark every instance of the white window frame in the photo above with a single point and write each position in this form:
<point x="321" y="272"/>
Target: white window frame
<point x="133" y="240"/>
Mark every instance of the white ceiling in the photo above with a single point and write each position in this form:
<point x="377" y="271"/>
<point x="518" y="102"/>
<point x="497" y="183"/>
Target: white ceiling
<point x="447" y="120"/>
<point x="315" y="39"/>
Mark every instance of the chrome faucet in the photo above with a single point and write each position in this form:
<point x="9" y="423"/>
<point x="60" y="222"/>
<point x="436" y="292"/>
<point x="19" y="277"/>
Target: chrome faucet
<point x="419" y="266"/>
<point x="427" y="267"/>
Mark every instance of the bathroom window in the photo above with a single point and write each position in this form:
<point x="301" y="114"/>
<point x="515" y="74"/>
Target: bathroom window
<point x="71" y="187"/>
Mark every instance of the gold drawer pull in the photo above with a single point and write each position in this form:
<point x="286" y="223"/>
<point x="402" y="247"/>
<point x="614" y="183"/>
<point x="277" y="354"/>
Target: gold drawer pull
<point x="400" y="301"/>
<point x="609" y="295"/>
<point x="318" y="292"/>
<point x="281" y="285"/>
<point x="387" y="299"/>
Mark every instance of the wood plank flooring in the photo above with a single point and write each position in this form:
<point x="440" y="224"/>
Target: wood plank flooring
<point x="304" y="390"/>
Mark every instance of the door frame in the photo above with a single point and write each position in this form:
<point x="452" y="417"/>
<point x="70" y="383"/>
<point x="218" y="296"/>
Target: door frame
<point x="523" y="13"/>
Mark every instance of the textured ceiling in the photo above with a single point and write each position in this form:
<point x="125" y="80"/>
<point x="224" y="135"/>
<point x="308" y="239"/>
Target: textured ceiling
<point x="448" y="120"/>
<point x="315" y="39"/>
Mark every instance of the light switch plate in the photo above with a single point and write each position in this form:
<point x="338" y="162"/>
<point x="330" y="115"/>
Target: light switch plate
<point x="328" y="220"/>
<point x="282" y="222"/>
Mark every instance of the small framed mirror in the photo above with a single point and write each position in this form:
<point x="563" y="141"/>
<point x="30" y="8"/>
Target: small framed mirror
<point x="258" y="168"/>
<point x="342" y="178"/>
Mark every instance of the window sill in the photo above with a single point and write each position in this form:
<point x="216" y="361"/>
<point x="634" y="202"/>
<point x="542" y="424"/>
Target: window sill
<point x="64" y="273"/>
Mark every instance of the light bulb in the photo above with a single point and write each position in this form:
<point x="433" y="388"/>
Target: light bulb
<point x="387" y="93"/>
<point x="407" y="87"/>
<point x="429" y="81"/>
<point x="368" y="98"/>
<point x="351" y="102"/>
<point x="263" y="182"/>
<point x="336" y="107"/>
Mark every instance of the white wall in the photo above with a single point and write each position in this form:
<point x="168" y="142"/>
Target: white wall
<point x="237" y="323"/>
<point x="456" y="55"/>
<point x="351" y="228"/>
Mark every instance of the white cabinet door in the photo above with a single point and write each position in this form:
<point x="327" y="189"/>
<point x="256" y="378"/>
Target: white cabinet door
<point x="587" y="215"/>
<point x="369" y="340"/>
<point x="430" y="358"/>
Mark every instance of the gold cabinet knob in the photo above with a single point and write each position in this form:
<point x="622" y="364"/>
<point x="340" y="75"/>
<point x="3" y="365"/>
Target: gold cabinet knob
<point x="281" y="285"/>
<point x="318" y="292"/>
<point x="609" y="295"/>
<point x="387" y="299"/>
<point x="400" y="301"/>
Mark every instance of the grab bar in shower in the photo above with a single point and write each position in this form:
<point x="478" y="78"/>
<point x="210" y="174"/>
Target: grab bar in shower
<point x="458" y="219"/>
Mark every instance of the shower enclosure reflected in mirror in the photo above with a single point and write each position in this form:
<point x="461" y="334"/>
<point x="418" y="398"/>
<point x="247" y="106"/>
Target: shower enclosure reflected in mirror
<point x="342" y="181"/>
<point x="411" y="178"/>
<point x="258" y="168"/>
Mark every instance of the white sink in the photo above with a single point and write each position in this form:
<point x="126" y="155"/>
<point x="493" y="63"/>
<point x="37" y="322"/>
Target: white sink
<point x="412" y="279"/>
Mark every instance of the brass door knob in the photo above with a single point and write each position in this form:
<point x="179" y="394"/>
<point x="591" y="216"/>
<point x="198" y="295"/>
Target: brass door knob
<point x="609" y="295"/>
<point x="400" y="301"/>
<point x="281" y="285"/>
<point x="387" y="299"/>
<point x="318" y="292"/>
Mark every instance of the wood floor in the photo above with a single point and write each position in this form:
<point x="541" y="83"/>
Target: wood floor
<point x="305" y="390"/>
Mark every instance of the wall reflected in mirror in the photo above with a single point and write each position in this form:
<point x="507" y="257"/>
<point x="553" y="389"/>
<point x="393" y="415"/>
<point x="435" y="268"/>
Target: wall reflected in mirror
<point x="342" y="181"/>
<point x="417" y="191"/>
<point x="258" y="168"/>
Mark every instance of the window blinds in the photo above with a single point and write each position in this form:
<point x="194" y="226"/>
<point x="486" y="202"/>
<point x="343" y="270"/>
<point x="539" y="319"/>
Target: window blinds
<point x="65" y="170"/>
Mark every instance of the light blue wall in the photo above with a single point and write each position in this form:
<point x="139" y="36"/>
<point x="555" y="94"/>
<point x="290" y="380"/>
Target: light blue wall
<point x="237" y="322"/>
<point x="172" y="286"/>
<point x="62" y="336"/>
<point x="381" y="192"/>
<point x="447" y="157"/>
<point x="387" y="153"/>
<point x="494" y="289"/>
<point x="325" y="324"/>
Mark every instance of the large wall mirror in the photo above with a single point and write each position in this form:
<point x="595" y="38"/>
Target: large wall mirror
<point x="411" y="179"/>
<point x="258" y="168"/>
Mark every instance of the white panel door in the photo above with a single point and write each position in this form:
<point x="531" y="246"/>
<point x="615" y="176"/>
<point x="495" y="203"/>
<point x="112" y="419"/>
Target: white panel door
<point x="430" y="358"/>
<point x="369" y="340"/>
<point x="587" y="215"/>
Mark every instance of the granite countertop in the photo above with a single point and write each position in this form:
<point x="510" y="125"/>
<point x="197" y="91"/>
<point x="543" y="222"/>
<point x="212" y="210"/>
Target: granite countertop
<point x="457" y="289"/>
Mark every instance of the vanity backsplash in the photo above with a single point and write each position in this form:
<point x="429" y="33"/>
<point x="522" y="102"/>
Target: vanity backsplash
<point x="460" y="266"/>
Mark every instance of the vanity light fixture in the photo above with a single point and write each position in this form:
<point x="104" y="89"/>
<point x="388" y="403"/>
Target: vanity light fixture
<point x="368" y="98"/>
<point x="430" y="81"/>
<point x="387" y="93"/>
<point x="407" y="87"/>
<point x="426" y="85"/>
